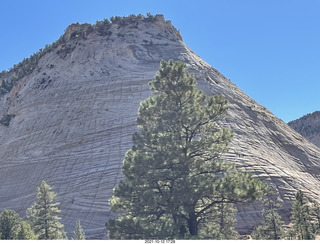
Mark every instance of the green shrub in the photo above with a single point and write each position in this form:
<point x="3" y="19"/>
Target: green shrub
<point x="6" y="119"/>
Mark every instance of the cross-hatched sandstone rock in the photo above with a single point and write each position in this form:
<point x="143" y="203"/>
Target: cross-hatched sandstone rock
<point x="75" y="115"/>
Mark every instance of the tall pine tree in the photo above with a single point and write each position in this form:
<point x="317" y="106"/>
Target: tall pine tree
<point x="316" y="212"/>
<point x="174" y="179"/>
<point x="43" y="215"/>
<point x="9" y="222"/>
<point x="271" y="227"/>
<point x="25" y="232"/>
<point x="222" y="226"/>
<point x="300" y="218"/>
<point x="12" y="227"/>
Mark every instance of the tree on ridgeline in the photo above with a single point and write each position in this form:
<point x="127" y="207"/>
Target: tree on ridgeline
<point x="174" y="178"/>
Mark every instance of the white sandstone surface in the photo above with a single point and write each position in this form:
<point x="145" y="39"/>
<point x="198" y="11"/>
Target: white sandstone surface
<point x="76" y="112"/>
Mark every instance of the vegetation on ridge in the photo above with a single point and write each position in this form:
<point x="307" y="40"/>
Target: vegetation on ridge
<point x="307" y="125"/>
<point x="9" y="78"/>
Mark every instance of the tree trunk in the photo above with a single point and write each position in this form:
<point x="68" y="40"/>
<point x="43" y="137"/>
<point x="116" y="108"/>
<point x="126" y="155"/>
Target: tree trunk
<point x="182" y="232"/>
<point x="192" y="224"/>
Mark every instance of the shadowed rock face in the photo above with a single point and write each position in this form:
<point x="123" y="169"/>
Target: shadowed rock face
<point x="74" y="116"/>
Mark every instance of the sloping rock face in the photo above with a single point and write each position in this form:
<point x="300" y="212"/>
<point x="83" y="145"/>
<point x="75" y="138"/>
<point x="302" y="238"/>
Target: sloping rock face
<point x="74" y="116"/>
<point x="308" y="126"/>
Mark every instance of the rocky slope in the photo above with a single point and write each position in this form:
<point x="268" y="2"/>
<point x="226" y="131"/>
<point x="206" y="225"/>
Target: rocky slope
<point x="73" y="114"/>
<point x="308" y="126"/>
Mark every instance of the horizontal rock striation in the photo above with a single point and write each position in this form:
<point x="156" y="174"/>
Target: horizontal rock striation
<point x="72" y="118"/>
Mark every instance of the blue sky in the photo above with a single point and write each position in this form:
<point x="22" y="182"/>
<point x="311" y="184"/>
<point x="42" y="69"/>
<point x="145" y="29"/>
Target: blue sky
<point x="269" y="48"/>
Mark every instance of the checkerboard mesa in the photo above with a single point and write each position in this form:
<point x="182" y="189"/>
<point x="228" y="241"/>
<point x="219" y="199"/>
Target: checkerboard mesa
<point x="75" y="106"/>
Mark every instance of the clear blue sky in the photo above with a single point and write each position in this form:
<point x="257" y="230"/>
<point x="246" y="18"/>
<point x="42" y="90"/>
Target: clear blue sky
<point x="269" y="48"/>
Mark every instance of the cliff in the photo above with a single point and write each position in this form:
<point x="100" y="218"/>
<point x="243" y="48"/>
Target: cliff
<point x="72" y="115"/>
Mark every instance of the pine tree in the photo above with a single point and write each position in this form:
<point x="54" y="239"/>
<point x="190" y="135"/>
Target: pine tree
<point x="316" y="212"/>
<point x="9" y="221"/>
<point x="300" y="218"/>
<point x="78" y="233"/>
<point x="25" y="232"/>
<point x="222" y="226"/>
<point x="174" y="178"/>
<point x="43" y="215"/>
<point x="272" y="225"/>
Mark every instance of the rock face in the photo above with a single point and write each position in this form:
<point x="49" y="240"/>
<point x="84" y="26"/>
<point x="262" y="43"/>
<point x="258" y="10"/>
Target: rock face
<point x="308" y="126"/>
<point x="72" y="117"/>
